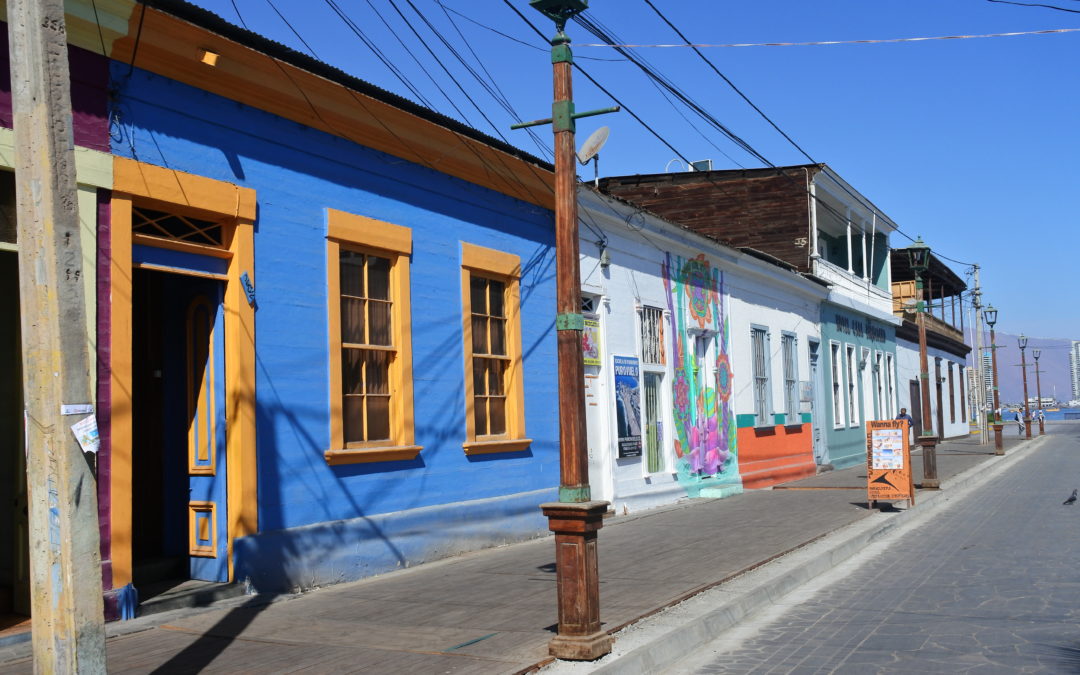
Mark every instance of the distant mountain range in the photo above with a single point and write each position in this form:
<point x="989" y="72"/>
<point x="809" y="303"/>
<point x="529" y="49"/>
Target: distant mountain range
<point x="1053" y="367"/>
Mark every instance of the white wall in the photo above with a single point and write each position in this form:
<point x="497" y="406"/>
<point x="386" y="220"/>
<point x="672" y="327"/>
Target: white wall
<point x="760" y="297"/>
<point x="907" y="355"/>
<point x="755" y="292"/>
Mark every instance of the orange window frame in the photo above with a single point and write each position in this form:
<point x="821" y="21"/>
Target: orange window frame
<point x="372" y="237"/>
<point x="506" y="268"/>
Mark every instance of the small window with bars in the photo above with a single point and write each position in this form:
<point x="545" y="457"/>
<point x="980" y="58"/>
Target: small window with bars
<point x="760" y="359"/>
<point x="489" y="354"/>
<point x="367" y="346"/>
<point x="791" y="377"/>
<point x="652" y="336"/>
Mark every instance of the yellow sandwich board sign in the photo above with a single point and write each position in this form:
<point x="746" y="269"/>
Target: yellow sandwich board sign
<point x="888" y="462"/>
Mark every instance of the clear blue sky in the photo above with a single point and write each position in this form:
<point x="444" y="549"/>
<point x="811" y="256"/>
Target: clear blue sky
<point x="971" y="144"/>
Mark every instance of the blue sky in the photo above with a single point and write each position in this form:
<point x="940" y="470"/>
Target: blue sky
<point x="971" y="144"/>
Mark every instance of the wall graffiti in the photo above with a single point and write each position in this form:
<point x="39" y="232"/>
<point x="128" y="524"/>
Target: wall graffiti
<point x="705" y="436"/>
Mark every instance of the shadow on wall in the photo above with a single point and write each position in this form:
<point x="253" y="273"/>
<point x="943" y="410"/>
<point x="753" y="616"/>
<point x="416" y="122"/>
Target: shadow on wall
<point x="362" y="545"/>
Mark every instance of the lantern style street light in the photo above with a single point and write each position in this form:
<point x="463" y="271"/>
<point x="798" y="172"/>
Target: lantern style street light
<point x="1023" y="367"/>
<point x="919" y="260"/>
<point x="991" y="318"/>
<point x="1038" y="390"/>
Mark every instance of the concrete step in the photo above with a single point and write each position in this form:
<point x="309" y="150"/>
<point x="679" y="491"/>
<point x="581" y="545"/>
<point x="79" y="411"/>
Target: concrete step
<point x="167" y="596"/>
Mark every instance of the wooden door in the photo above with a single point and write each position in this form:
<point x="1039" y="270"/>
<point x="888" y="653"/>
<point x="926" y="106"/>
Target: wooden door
<point x="916" y="408"/>
<point x="207" y="484"/>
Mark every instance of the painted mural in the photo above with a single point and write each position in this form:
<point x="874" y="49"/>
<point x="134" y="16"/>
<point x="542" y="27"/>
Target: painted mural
<point x="705" y="437"/>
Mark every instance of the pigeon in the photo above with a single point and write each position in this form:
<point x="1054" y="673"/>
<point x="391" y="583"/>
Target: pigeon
<point x="1071" y="500"/>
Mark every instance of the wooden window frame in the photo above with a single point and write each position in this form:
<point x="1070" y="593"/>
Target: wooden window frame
<point x="506" y="268"/>
<point x="372" y="237"/>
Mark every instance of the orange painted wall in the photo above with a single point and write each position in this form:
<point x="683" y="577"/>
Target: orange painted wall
<point x="775" y="455"/>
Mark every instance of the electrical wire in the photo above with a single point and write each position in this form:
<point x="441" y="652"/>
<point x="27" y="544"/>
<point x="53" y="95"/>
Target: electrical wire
<point x="596" y="28"/>
<point x="418" y="156"/>
<point x="511" y="37"/>
<point x="769" y="120"/>
<point x="604" y="89"/>
<point x="488" y="85"/>
<point x="545" y="150"/>
<point x="1036" y="4"/>
<point x="835" y="42"/>
<point x="731" y="84"/>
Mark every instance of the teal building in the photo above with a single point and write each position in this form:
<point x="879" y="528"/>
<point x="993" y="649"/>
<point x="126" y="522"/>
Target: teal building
<point x="859" y="378"/>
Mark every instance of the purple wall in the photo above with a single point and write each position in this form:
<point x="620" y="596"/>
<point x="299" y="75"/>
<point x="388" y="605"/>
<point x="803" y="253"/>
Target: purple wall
<point x="89" y="95"/>
<point x="104" y="389"/>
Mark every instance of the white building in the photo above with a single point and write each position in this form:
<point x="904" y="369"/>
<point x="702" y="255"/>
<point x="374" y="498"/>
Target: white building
<point x="718" y="342"/>
<point x="946" y="350"/>
<point x="1074" y="368"/>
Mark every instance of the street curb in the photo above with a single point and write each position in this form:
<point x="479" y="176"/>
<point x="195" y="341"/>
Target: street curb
<point x="682" y="629"/>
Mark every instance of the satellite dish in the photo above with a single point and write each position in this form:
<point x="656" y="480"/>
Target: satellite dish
<point x="593" y="144"/>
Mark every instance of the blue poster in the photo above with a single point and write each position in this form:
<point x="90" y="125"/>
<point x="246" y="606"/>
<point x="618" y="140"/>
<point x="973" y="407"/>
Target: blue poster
<point x="628" y="405"/>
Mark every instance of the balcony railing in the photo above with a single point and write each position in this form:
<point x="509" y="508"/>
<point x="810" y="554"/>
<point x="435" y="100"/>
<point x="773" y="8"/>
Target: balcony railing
<point x="855" y="286"/>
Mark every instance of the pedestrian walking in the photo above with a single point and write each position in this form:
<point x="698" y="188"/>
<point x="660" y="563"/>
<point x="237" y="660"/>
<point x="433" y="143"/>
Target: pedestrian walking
<point x="907" y="418"/>
<point x="1020" y="422"/>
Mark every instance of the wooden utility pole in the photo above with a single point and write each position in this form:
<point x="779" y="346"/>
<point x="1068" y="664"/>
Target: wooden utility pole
<point x="65" y="560"/>
<point x="576" y="517"/>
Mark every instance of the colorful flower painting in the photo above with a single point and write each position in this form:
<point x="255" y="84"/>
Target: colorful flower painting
<point x="704" y="424"/>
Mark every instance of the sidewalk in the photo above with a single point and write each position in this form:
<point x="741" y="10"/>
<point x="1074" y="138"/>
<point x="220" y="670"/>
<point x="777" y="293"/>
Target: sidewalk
<point x="494" y="611"/>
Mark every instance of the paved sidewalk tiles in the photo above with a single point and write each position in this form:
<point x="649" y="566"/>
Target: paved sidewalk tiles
<point x="494" y="611"/>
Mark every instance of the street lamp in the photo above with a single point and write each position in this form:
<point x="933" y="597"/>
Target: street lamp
<point x="1038" y="389"/>
<point x="1023" y="367"/>
<point x="576" y="517"/>
<point x="919" y="260"/>
<point x="991" y="318"/>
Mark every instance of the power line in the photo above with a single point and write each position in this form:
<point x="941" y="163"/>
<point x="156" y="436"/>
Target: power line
<point x="760" y="112"/>
<point x="418" y="156"/>
<point x="492" y="89"/>
<point x="594" y="27"/>
<point x="729" y="82"/>
<point x="841" y="42"/>
<point x="599" y="31"/>
<point x="1036" y="4"/>
<point x="511" y="37"/>
<point x="547" y="151"/>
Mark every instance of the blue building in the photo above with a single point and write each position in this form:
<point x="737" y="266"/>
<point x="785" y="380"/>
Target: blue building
<point x="325" y="316"/>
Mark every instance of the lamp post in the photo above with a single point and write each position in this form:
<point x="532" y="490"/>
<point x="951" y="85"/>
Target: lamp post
<point x="1023" y="367"/>
<point x="1036" y="353"/>
<point x="991" y="318"/>
<point x="576" y="517"/>
<point x="919" y="259"/>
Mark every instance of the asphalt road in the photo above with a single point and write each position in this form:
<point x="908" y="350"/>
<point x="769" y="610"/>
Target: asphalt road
<point x="991" y="585"/>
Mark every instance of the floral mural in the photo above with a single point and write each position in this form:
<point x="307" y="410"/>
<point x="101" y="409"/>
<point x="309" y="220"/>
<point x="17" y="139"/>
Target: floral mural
<point x="704" y="423"/>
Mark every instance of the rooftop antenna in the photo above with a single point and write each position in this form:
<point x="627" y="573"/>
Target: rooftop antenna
<point x="590" y="149"/>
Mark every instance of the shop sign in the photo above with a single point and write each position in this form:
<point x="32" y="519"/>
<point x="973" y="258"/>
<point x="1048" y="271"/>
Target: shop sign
<point x="888" y="459"/>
